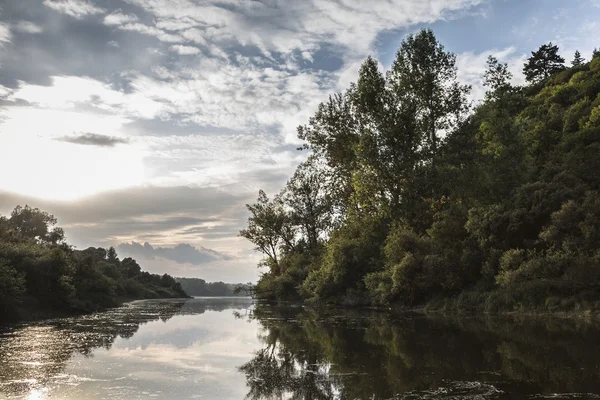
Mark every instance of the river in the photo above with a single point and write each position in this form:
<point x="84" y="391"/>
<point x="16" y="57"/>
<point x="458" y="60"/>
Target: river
<point x="233" y="348"/>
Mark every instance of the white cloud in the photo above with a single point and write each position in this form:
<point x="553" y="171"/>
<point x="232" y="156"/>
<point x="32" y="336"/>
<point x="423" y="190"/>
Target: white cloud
<point x="5" y="34"/>
<point x="245" y="102"/>
<point x="4" y="92"/>
<point x="63" y="170"/>
<point x="185" y="50"/>
<point x="151" y="31"/>
<point x="75" y="8"/>
<point x="27" y="27"/>
<point x="118" y="18"/>
<point x="182" y="253"/>
<point x="177" y="24"/>
<point x="248" y="94"/>
<point x="282" y="26"/>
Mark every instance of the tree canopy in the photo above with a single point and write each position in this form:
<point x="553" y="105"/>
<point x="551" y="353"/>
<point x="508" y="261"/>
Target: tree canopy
<point x="543" y="63"/>
<point x="410" y="196"/>
<point x="41" y="274"/>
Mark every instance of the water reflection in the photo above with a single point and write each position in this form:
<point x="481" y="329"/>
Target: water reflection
<point x="232" y="348"/>
<point x="36" y="357"/>
<point x="373" y="355"/>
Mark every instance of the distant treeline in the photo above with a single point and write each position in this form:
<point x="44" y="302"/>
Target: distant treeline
<point x="199" y="287"/>
<point x="412" y="196"/>
<point x="42" y="275"/>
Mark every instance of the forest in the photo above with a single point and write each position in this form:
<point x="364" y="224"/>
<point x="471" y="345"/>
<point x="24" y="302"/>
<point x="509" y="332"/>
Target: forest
<point x="413" y="196"/>
<point x="41" y="275"/>
<point x="199" y="287"/>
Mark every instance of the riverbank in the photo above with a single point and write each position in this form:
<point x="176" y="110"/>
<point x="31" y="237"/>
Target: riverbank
<point x="517" y="303"/>
<point x="30" y="310"/>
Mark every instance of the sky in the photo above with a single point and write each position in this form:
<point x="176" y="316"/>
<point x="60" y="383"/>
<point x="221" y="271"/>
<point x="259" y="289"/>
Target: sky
<point x="148" y="124"/>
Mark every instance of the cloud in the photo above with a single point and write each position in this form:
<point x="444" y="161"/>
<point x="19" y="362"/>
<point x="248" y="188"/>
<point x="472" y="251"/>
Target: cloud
<point x="185" y="50"/>
<point x="75" y="8"/>
<point x="132" y="214"/>
<point x="93" y="139"/>
<point x="204" y="132"/>
<point x="27" y="27"/>
<point x="151" y="31"/>
<point x="5" y="34"/>
<point x="183" y="253"/>
<point x="281" y="26"/>
<point x="118" y="18"/>
<point x="207" y="218"/>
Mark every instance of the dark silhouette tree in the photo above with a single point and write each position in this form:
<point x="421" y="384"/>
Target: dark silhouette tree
<point x="111" y="256"/>
<point x="577" y="59"/>
<point x="543" y="63"/>
<point x="33" y="223"/>
<point x="497" y="78"/>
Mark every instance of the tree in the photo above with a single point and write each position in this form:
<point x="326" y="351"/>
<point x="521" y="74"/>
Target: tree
<point x="111" y="256"/>
<point x="425" y="75"/>
<point x="268" y="228"/>
<point x="12" y="286"/>
<point x="596" y="53"/>
<point x="332" y="136"/>
<point x="497" y="78"/>
<point x="130" y="267"/>
<point x="577" y="59"/>
<point x="310" y="203"/>
<point x="390" y="140"/>
<point x="543" y="63"/>
<point x="33" y="223"/>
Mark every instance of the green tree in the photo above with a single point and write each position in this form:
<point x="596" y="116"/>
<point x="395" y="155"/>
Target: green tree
<point x="269" y="228"/>
<point x="111" y="256"/>
<point x="35" y="224"/>
<point x="130" y="267"/>
<point x="389" y="141"/>
<point x="425" y="74"/>
<point x="497" y="77"/>
<point x="577" y="59"/>
<point x="12" y="287"/>
<point x="331" y="135"/>
<point x="543" y="63"/>
<point x="310" y="204"/>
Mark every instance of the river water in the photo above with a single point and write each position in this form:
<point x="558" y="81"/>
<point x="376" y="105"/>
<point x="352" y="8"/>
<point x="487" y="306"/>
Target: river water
<point x="232" y="348"/>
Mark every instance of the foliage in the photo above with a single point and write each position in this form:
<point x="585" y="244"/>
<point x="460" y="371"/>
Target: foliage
<point x="577" y="59"/>
<point x="199" y="287"/>
<point x="349" y="354"/>
<point x="40" y="274"/>
<point x="543" y="63"/>
<point x="493" y="208"/>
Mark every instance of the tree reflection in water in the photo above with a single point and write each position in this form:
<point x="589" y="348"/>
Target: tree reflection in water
<point x="34" y="355"/>
<point x="338" y="354"/>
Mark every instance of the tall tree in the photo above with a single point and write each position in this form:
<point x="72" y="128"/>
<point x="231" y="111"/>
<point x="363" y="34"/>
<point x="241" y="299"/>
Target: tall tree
<point x="577" y="59"/>
<point x="307" y="195"/>
<point x="35" y="224"/>
<point x="543" y="62"/>
<point x="596" y="53"/>
<point x="497" y="78"/>
<point x="389" y="141"/>
<point x="268" y="228"/>
<point x="111" y="255"/>
<point x="331" y="134"/>
<point x="425" y="74"/>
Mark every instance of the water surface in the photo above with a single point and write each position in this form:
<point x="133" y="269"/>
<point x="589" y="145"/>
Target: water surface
<point x="232" y="348"/>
